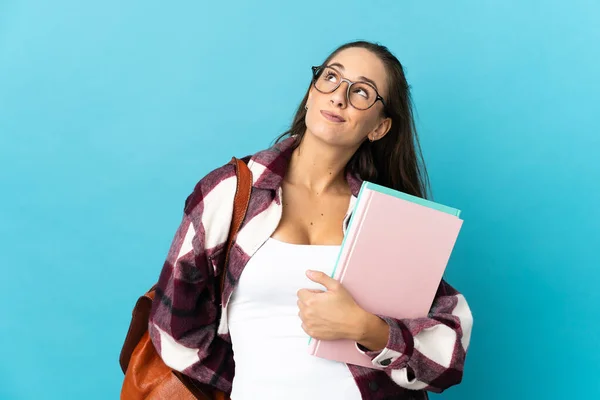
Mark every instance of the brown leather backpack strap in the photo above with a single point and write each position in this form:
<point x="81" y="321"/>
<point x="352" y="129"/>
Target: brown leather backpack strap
<point x="240" y="207"/>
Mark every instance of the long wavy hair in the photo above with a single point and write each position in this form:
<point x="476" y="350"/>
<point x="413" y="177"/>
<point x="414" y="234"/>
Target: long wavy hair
<point x="396" y="160"/>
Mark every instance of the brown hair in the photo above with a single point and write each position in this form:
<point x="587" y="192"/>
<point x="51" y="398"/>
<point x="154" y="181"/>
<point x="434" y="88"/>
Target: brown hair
<point x="396" y="160"/>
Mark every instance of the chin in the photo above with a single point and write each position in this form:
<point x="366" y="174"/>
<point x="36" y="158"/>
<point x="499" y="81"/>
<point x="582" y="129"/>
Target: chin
<point x="328" y="133"/>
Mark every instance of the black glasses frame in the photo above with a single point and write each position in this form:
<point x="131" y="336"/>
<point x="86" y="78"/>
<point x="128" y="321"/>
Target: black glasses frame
<point x="315" y="71"/>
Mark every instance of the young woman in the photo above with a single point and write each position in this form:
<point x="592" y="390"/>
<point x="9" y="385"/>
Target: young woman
<point x="355" y="123"/>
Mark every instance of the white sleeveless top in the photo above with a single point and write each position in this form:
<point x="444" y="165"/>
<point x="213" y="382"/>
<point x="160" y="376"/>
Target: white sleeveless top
<point x="269" y="344"/>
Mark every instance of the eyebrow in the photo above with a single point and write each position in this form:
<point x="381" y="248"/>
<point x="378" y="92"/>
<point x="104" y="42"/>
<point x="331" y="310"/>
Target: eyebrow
<point x="361" y="78"/>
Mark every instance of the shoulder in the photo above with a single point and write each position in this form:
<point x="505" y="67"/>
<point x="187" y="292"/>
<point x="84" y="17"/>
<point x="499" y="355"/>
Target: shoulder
<point x="217" y="183"/>
<point x="267" y="166"/>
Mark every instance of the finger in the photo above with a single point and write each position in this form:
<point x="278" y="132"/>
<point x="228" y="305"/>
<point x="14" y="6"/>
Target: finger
<point x="323" y="279"/>
<point x="304" y="294"/>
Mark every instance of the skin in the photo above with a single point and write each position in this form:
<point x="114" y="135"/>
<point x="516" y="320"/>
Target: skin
<point x="316" y="197"/>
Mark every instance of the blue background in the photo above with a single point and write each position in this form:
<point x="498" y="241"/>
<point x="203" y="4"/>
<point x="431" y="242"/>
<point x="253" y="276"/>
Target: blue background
<point x="111" y="111"/>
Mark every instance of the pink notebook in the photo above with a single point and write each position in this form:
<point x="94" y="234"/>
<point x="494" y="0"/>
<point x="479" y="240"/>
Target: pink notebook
<point x="392" y="259"/>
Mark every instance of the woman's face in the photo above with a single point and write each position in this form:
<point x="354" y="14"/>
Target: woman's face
<point x="354" y="64"/>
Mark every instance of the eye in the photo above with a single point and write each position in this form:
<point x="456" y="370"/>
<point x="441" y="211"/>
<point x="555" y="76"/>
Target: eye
<point x="330" y="77"/>
<point x="362" y="92"/>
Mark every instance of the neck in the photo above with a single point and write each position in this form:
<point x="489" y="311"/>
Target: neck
<point x="318" y="166"/>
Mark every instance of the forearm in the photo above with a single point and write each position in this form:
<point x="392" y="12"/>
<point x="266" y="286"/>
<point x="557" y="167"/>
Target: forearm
<point x="441" y="339"/>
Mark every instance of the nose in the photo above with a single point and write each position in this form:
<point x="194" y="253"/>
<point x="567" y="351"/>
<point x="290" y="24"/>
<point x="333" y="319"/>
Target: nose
<point x="338" y="96"/>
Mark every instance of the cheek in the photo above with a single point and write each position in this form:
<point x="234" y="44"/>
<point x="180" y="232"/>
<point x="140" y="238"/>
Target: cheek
<point x="363" y="123"/>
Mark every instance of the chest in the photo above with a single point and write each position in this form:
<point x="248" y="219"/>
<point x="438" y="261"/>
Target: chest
<point x="268" y="217"/>
<point x="311" y="218"/>
<point x="275" y="273"/>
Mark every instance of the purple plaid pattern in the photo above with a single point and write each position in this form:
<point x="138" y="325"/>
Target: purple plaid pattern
<point x="188" y="322"/>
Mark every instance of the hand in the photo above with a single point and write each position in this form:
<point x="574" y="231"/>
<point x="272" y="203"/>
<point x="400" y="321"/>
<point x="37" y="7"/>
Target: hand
<point x="331" y="314"/>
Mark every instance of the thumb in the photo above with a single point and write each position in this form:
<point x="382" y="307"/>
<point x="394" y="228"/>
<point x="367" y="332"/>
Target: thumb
<point x="323" y="279"/>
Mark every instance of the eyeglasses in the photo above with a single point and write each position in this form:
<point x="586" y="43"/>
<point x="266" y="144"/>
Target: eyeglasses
<point x="361" y="95"/>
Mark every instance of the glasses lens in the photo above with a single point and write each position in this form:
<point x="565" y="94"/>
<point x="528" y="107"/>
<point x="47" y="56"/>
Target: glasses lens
<point x="362" y="95"/>
<point x="327" y="80"/>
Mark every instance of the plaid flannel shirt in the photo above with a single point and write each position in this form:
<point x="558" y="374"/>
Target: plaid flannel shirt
<point x="188" y="323"/>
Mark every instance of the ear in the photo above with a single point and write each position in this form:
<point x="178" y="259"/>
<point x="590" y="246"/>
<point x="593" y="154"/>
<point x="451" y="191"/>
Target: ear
<point x="381" y="129"/>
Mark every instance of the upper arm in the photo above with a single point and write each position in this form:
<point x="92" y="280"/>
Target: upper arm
<point x="184" y="310"/>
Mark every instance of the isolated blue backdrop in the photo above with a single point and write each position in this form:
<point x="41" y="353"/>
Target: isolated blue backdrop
<point x="111" y="111"/>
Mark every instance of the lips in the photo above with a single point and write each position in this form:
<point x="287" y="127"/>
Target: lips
<point x="332" y="117"/>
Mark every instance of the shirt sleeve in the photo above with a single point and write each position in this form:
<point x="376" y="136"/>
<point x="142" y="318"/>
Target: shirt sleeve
<point x="185" y="311"/>
<point x="428" y="353"/>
